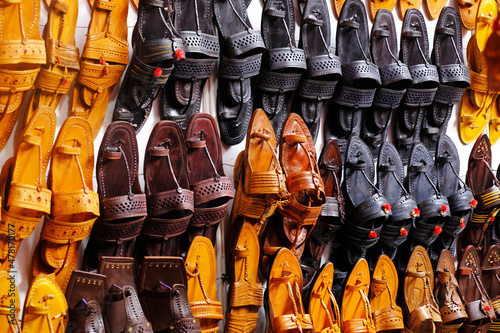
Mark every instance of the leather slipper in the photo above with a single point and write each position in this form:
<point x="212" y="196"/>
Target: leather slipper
<point x="491" y="275"/>
<point x="448" y="294"/>
<point x="282" y="62"/>
<point x="163" y="295"/>
<point x="23" y="53"/>
<point x="323" y="66"/>
<point x="212" y="189"/>
<point x="395" y="78"/>
<point x="85" y="295"/>
<point x="421" y="310"/>
<point x="435" y="7"/>
<point x="453" y="75"/>
<point x="283" y="300"/>
<point x="25" y="194"/>
<point x="405" y="5"/>
<point x="102" y="63"/>
<point x="169" y="199"/>
<point x="357" y="314"/>
<point x="63" y="57"/>
<point x="468" y="12"/>
<point x="240" y="61"/>
<point x="10" y="304"/>
<point x="182" y="93"/>
<point x="201" y="288"/>
<point x="375" y="6"/>
<point x="75" y="206"/>
<point x="246" y="289"/>
<point x="155" y="50"/>
<point x="478" y="304"/>
<point x="122" y="203"/>
<point x="492" y="55"/>
<point x="384" y="288"/>
<point x="123" y="311"/>
<point x="45" y="307"/>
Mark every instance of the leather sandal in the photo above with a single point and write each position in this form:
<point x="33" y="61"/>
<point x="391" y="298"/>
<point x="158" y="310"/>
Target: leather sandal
<point x="240" y="60"/>
<point x="425" y="81"/>
<point x="245" y="290"/>
<point x="478" y="303"/>
<point x="85" y="296"/>
<point x="282" y="300"/>
<point x="23" y="51"/>
<point x="45" y="307"/>
<point x="123" y="311"/>
<point x="181" y="96"/>
<point x="155" y="50"/>
<point x="405" y="5"/>
<point x="25" y="196"/>
<point x="468" y="13"/>
<point x="390" y="176"/>
<point x="453" y="75"/>
<point x="212" y="189"/>
<point x="75" y="206"/>
<point x="459" y="195"/>
<point x="122" y="203"/>
<point x="361" y="76"/>
<point x="494" y="125"/>
<point x="449" y="295"/>
<point x="163" y="287"/>
<point x="492" y="55"/>
<point x="435" y="8"/>
<point x="283" y="63"/>
<point x="421" y="310"/>
<point x="485" y="187"/>
<point x="169" y="199"/>
<point x="395" y="78"/>
<point x="102" y="63"/>
<point x="323" y="66"/>
<point x="357" y="314"/>
<point x="375" y="6"/>
<point x="491" y="279"/>
<point x="384" y="288"/>
<point x="63" y="57"/>
<point x="201" y="288"/>
<point x="10" y="304"/>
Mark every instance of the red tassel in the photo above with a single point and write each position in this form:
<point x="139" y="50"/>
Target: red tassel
<point x="416" y="212"/>
<point x="387" y="207"/>
<point x="437" y="230"/>
<point x="179" y="54"/>
<point x="403" y="232"/>
<point x="157" y="72"/>
<point x="473" y="203"/>
<point x="372" y="235"/>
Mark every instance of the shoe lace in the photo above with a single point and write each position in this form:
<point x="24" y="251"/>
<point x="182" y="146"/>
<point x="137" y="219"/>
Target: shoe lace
<point x="416" y="27"/>
<point x="422" y="168"/>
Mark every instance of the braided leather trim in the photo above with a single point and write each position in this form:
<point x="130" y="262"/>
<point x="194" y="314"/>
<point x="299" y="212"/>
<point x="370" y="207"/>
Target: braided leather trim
<point x="205" y="44"/>
<point x="165" y="228"/>
<point x="388" y="98"/>
<point x="31" y="51"/>
<point x="105" y="45"/>
<point x="292" y="322"/>
<point x="80" y="201"/>
<point x="210" y="189"/>
<point x="250" y="207"/>
<point x="448" y="94"/>
<point x="22" y="225"/>
<point x="30" y="197"/>
<point x="203" y="310"/>
<point x="17" y="80"/>
<point x="275" y="81"/>
<point x="301" y="214"/>
<point x="194" y="68"/>
<point x="168" y="201"/>
<point x="324" y="65"/>
<point x="60" y="232"/>
<point x="315" y="89"/>
<point x="237" y="323"/>
<point x="243" y="42"/>
<point x="99" y="77"/>
<point x="453" y="73"/>
<point x="285" y="58"/>
<point x="235" y="69"/>
<point x="419" y="97"/>
<point x="354" y="97"/>
<point x="394" y="72"/>
<point x="117" y="232"/>
<point x="208" y="216"/>
<point x="64" y="55"/>
<point x="123" y="206"/>
<point x="246" y="293"/>
<point x="53" y="82"/>
<point x="264" y="182"/>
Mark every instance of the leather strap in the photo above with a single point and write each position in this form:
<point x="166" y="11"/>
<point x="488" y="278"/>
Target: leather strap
<point x="199" y="42"/>
<point x="117" y="232"/>
<point x="243" y="42"/>
<point x="22" y="225"/>
<point x="388" y="98"/>
<point x="105" y="46"/>
<point x="277" y="81"/>
<point x="81" y="201"/>
<point x="60" y="54"/>
<point x="194" y="69"/>
<point x="17" y="80"/>
<point x="354" y="97"/>
<point x="30" y="197"/>
<point x="61" y="232"/>
<point x="29" y="51"/>
<point x="324" y="64"/>
<point x="212" y="189"/>
<point x="236" y="69"/>
<point x="160" y="228"/>
<point x="316" y="89"/>
<point x="124" y="206"/>
<point x="97" y="77"/>
<point x="173" y="200"/>
<point x="246" y="293"/>
<point x="449" y="94"/>
<point x="419" y="97"/>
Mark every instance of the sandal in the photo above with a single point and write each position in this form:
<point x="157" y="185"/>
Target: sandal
<point x="376" y="5"/>
<point x="491" y="278"/>
<point x="283" y="301"/>
<point x="45" y="308"/>
<point x="200" y="267"/>
<point x="75" y="206"/>
<point x="25" y="196"/>
<point x="102" y="63"/>
<point x="10" y="304"/>
<point x="468" y="13"/>
<point x="435" y="8"/>
<point x="163" y="295"/>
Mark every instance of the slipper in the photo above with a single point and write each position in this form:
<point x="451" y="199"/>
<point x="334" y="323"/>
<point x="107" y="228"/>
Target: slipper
<point x="23" y="52"/>
<point x="323" y="66"/>
<point x="448" y="294"/>
<point x="357" y="314"/>
<point x="468" y="13"/>
<point x="283" y="300"/>
<point x="376" y="5"/>
<point x="155" y="50"/>
<point x="25" y="196"/>
<point x="102" y="63"/>
<point x="477" y="302"/>
<point x="85" y="296"/>
<point x="421" y="310"/>
<point x="337" y="7"/>
<point x="384" y="288"/>
<point x="491" y="275"/>
<point x="181" y="96"/>
<point x="75" y="206"/>
<point x="10" y="304"/>
<point x="282" y="62"/>
<point x="201" y="288"/>
<point x="123" y="311"/>
<point x="240" y="60"/>
<point x="435" y="8"/>
<point x="63" y="57"/>
<point x="122" y="203"/>
<point x="163" y="295"/>
<point x="246" y="289"/>
<point x="169" y="199"/>
<point x="212" y="189"/>
<point x="453" y="75"/>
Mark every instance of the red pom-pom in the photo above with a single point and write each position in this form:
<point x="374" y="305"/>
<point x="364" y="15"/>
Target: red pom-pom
<point x="157" y="72"/>
<point x="64" y="81"/>
<point x="372" y="235"/>
<point x="437" y="230"/>
<point x="387" y="207"/>
<point x="462" y="223"/>
<point x="179" y="54"/>
<point x="473" y="203"/>
<point x="416" y="212"/>
<point x="403" y="232"/>
<point x="444" y="208"/>
<point x="487" y="308"/>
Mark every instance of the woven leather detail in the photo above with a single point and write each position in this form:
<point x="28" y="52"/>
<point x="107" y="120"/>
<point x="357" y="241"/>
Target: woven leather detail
<point x="422" y="73"/>
<point x="136" y="320"/>
<point x="301" y="214"/>
<point x="208" y="216"/>
<point x="243" y="42"/>
<point x="388" y="98"/>
<point x="330" y="208"/>
<point x="292" y="322"/>
<point x="93" y="76"/>
<point x="419" y="97"/>
<point x="203" y="310"/>
<point x="146" y="73"/>
<point x="488" y="199"/>
<point x="234" y="69"/>
<point x="285" y="58"/>
<point x="168" y="201"/>
<point x="205" y="44"/>
<point x="264" y="182"/>
<point x="250" y="207"/>
<point x="93" y="320"/>
<point x="315" y="89"/>
<point x="324" y="65"/>
<point x="276" y="82"/>
<point x="123" y="207"/>
<point x="478" y="82"/>
<point x="394" y="72"/>
<point x="388" y="318"/>
<point x="210" y="189"/>
<point x="194" y="68"/>
<point x="246" y="293"/>
<point x="53" y="82"/>
<point x="353" y="97"/>
<point x="17" y="80"/>
<point x="117" y="232"/>
<point x="182" y="320"/>
<point x="32" y="51"/>
<point x="237" y="323"/>
<point x="165" y="228"/>
<point x="64" y="55"/>
<point x="448" y="94"/>
<point x="360" y="69"/>
<point x="452" y="73"/>
<point x="156" y="50"/>
<point x="22" y="225"/>
<point x="60" y="232"/>
<point x="81" y="201"/>
<point x="106" y="45"/>
<point x="30" y="197"/>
